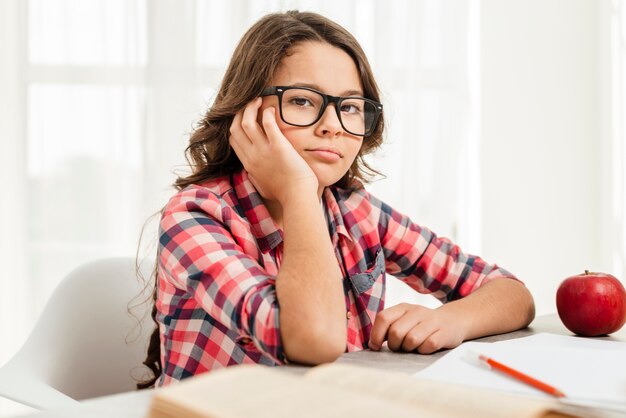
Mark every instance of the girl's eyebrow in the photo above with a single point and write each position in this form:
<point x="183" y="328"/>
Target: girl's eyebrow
<point x="316" y="87"/>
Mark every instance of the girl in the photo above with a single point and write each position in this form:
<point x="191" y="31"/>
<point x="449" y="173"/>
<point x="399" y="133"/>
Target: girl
<point x="273" y="252"/>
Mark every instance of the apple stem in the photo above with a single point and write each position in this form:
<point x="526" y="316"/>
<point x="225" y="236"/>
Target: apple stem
<point x="586" y="271"/>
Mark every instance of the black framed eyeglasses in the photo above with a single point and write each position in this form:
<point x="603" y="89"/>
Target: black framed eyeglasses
<point x="304" y="106"/>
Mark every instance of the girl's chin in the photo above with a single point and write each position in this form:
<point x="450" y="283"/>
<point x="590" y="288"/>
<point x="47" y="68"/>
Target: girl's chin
<point x="326" y="180"/>
<point x="327" y="174"/>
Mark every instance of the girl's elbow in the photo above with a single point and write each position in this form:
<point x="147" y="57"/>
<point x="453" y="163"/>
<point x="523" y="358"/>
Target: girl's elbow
<point x="326" y="353"/>
<point x="530" y="303"/>
<point x="526" y="304"/>
<point x="316" y="347"/>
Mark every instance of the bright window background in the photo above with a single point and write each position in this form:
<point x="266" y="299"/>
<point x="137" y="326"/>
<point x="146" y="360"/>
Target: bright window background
<point x="81" y="33"/>
<point x="84" y="110"/>
<point x="489" y="105"/>
<point x="108" y="92"/>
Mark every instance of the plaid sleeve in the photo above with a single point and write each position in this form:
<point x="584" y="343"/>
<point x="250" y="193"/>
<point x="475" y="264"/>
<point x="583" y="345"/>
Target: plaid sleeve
<point x="204" y="257"/>
<point x="428" y="263"/>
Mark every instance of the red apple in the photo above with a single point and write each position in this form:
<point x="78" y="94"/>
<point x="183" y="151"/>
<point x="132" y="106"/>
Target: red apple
<point x="591" y="304"/>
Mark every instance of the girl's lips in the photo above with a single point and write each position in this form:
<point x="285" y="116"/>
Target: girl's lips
<point x="326" y="154"/>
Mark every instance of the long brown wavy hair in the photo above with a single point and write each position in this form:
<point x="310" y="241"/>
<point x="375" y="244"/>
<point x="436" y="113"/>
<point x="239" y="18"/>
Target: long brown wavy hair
<point x="252" y="65"/>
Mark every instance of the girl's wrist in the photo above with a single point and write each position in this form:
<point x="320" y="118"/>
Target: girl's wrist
<point x="298" y="194"/>
<point x="297" y="200"/>
<point x="461" y="317"/>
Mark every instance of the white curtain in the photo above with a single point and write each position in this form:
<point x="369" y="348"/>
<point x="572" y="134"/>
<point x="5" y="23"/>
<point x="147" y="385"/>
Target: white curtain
<point x="99" y="96"/>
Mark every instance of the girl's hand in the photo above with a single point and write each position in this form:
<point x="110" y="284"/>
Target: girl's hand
<point x="408" y="327"/>
<point x="274" y="166"/>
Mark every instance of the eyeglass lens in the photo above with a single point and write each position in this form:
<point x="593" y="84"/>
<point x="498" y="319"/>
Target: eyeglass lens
<point x="303" y="107"/>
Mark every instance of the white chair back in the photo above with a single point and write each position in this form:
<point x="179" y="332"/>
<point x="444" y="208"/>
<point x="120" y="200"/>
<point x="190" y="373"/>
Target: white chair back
<point x="86" y="343"/>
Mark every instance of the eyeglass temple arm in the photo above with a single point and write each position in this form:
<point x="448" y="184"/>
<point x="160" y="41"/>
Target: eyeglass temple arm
<point x="269" y="91"/>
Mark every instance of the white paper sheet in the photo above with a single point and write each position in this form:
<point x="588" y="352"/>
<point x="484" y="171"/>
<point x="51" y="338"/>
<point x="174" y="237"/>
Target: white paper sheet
<point x="584" y="369"/>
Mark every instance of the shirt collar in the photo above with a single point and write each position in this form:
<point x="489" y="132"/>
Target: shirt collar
<point x="335" y="212"/>
<point x="265" y="230"/>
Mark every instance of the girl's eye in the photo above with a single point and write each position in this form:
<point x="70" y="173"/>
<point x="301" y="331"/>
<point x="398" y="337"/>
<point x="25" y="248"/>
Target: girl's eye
<point x="350" y="108"/>
<point x="301" y="101"/>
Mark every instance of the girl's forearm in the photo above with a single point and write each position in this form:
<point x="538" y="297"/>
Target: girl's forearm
<point x="309" y="286"/>
<point x="500" y="306"/>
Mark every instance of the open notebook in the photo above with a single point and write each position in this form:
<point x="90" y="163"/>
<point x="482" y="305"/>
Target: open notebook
<point x="589" y="371"/>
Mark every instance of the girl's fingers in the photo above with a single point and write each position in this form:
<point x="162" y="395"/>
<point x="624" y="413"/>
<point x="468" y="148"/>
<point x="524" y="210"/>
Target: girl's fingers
<point x="249" y="122"/>
<point x="235" y="127"/>
<point x="382" y="322"/>
<point x="399" y="330"/>
<point x="235" y="143"/>
<point x="270" y="125"/>
<point x="435" y="341"/>
<point x="236" y="133"/>
<point x="416" y="336"/>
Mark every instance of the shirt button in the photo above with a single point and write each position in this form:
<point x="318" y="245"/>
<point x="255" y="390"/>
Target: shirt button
<point x="349" y="315"/>
<point x="244" y="340"/>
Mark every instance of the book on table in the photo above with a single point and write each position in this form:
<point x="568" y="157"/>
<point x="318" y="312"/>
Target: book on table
<point x="340" y="390"/>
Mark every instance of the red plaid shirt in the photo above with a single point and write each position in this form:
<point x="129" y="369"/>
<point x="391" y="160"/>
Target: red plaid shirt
<point x="220" y="253"/>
